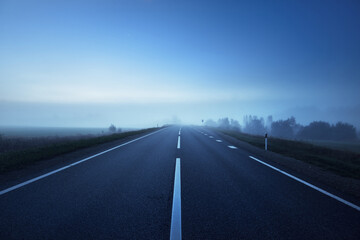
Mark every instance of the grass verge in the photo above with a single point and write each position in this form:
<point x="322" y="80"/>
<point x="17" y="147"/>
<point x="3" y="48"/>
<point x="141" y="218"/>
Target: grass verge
<point x="18" y="159"/>
<point x="344" y="163"/>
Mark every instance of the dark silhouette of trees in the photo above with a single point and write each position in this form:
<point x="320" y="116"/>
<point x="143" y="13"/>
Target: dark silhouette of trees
<point x="289" y="129"/>
<point x="234" y="125"/>
<point x="320" y="130"/>
<point x="343" y="131"/>
<point x="317" y="130"/>
<point x="224" y="123"/>
<point x="254" y="125"/>
<point x="112" y="128"/>
<point x="284" y="128"/>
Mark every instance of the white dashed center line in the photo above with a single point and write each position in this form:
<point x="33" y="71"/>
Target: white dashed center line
<point x="232" y="147"/>
<point x="178" y="145"/>
<point x="211" y="137"/>
<point x="218" y="140"/>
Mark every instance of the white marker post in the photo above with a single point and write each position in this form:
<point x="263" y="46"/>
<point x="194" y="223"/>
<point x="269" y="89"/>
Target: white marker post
<point x="265" y="141"/>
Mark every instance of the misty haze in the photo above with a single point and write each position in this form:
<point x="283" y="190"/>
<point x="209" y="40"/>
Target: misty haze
<point x="153" y="119"/>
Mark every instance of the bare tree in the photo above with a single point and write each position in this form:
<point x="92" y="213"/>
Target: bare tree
<point x="284" y="128"/>
<point x="234" y="125"/>
<point x="112" y="128"/>
<point x="254" y="125"/>
<point x="224" y="123"/>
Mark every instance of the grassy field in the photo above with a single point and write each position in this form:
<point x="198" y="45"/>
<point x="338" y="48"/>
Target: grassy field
<point x="30" y="132"/>
<point x="343" y="146"/>
<point x="344" y="163"/>
<point x="15" y="159"/>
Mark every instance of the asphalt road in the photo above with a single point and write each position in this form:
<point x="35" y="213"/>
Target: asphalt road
<point x="127" y="193"/>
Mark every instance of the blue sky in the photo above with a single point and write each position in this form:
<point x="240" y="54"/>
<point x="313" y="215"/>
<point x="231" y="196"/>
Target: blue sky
<point x="138" y="63"/>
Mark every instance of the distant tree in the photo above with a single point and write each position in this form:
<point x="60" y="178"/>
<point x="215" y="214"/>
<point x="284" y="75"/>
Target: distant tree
<point x="210" y="123"/>
<point x="119" y="130"/>
<point x="269" y="121"/>
<point x="224" y="123"/>
<point x="234" y="125"/>
<point x="112" y="128"/>
<point x="317" y="130"/>
<point x="254" y="125"/>
<point x="284" y="128"/>
<point x="343" y="131"/>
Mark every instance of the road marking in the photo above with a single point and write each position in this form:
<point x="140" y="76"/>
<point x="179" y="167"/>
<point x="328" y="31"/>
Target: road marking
<point x="178" y="145"/>
<point x="232" y="147"/>
<point x="205" y="134"/>
<point x="211" y="137"/>
<point x="218" y="140"/>
<point x="71" y="165"/>
<point x="180" y="131"/>
<point x="309" y="185"/>
<point x="175" y="230"/>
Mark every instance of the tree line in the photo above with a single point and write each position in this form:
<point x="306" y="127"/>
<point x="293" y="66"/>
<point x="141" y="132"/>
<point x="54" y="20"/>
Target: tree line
<point x="289" y="128"/>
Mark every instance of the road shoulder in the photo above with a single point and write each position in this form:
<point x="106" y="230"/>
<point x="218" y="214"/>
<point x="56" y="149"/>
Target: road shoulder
<point x="11" y="178"/>
<point x="347" y="187"/>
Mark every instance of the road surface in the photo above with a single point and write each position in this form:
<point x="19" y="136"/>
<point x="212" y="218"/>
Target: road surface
<point x="175" y="183"/>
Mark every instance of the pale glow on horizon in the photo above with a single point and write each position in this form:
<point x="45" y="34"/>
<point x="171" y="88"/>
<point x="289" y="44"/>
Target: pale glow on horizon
<point x="116" y="93"/>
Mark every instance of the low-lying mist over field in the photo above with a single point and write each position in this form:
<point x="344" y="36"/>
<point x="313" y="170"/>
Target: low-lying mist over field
<point x="152" y="115"/>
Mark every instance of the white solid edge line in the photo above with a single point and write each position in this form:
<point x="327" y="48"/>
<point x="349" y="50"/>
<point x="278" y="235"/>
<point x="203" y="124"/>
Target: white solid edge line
<point x="70" y="165"/>
<point x="233" y="147"/>
<point x="178" y="144"/>
<point x="309" y="185"/>
<point x="175" y="230"/>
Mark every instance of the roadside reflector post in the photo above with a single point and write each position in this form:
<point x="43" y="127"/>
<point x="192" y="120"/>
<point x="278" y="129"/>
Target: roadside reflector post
<point x="265" y="141"/>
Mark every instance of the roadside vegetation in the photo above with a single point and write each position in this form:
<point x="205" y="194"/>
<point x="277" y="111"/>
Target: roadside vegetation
<point x="340" y="136"/>
<point x="352" y="146"/>
<point x="335" y="147"/>
<point x="16" y="153"/>
<point x="344" y="163"/>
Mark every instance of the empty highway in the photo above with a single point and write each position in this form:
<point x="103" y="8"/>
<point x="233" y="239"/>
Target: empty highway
<point x="178" y="182"/>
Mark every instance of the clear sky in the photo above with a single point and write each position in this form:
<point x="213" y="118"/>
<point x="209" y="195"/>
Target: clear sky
<point x="142" y="62"/>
